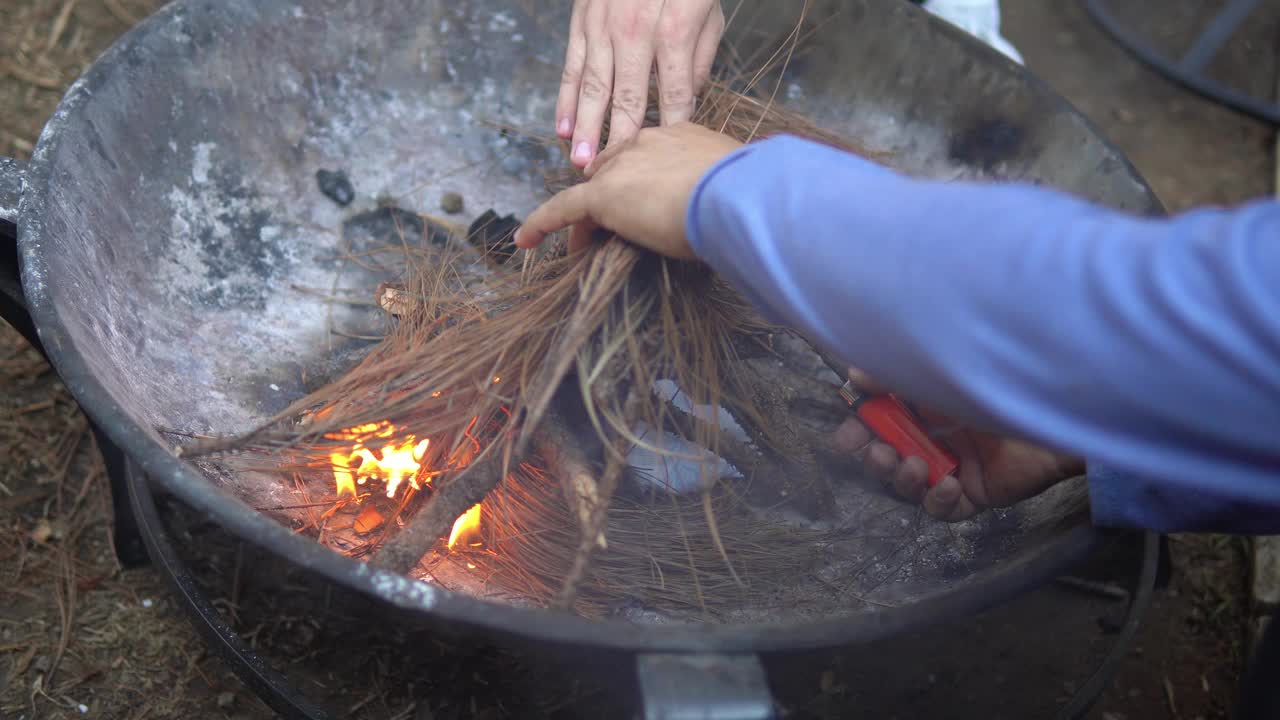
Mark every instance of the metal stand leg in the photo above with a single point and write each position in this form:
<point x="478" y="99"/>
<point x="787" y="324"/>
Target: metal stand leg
<point x="265" y="682"/>
<point x="698" y="687"/>
<point x="129" y="546"/>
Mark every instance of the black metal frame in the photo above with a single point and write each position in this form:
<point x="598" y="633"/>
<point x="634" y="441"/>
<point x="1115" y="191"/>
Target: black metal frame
<point x="1189" y="71"/>
<point x="128" y="530"/>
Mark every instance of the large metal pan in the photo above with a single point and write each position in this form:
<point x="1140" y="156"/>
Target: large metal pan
<point x="171" y="203"/>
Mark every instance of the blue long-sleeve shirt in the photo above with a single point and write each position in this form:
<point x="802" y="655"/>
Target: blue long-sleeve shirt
<point x="1148" y="346"/>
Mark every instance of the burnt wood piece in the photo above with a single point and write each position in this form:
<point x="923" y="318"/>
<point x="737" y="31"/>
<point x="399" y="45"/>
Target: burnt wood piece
<point x="394" y="299"/>
<point x="562" y="451"/>
<point x="593" y="532"/>
<point x="390" y="224"/>
<point x="474" y="483"/>
<point x="494" y="235"/>
<point x="336" y="186"/>
<point x="402" y="553"/>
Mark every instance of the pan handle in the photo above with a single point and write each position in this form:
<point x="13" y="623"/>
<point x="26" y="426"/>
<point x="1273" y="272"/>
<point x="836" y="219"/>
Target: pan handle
<point x="726" y="687"/>
<point x="13" y="308"/>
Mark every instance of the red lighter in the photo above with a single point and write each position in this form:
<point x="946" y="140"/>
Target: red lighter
<point x="897" y="426"/>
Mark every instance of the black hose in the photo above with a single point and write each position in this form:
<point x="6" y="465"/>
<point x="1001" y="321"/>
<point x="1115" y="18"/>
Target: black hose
<point x="1195" y="82"/>
<point x="1088" y="694"/>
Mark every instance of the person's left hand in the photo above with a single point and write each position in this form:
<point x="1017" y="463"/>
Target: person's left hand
<point x="640" y="190"/>
<point x="995" y="471"/>
<point x="613" y="45"/>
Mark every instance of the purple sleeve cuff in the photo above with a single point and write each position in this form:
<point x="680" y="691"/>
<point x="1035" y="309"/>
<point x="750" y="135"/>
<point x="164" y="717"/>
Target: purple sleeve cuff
<point x="1123" y="500"/>
<point x="693" y="222"/>
<point x="703" y="230"/>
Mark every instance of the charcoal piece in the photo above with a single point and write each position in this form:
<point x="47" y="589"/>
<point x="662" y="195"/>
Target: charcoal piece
<point x="494" y="235"/>
<point x="336" y="186"/>
<point x="451" y="203"/>
<point x="390" y="226"/>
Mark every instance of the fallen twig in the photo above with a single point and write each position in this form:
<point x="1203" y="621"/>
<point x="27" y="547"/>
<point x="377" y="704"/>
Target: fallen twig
<point x="26" y="76"/>
<point x="1168" y="695"/>
<point x="60" y="24"/>
<point x="34" y="407"/>
<point x="29" y="496"/>
<point x="66" y="609"/>
<point x="120" y="13"/>
<point x="593" y="531"/>
<point x="558" y="447"/>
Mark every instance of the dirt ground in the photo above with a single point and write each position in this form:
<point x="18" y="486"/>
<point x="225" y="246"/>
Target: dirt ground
<point x="82" y="637"/>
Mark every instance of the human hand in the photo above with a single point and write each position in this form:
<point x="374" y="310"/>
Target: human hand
<point x="994" y="471"/>
<point x="640" y="190"/>
<point x="612" y="48"/>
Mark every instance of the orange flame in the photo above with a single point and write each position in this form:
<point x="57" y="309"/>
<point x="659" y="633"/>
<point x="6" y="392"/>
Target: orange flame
<point x="465" y="526"/>
<point x="398" y="460"/>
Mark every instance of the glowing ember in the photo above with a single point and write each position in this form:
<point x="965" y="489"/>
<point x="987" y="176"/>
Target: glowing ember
<point x="465" y="527"/>
<point x="397" y="461"/>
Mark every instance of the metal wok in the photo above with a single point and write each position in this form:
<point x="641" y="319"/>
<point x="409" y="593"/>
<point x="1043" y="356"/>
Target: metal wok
<point x="171" y="203"/>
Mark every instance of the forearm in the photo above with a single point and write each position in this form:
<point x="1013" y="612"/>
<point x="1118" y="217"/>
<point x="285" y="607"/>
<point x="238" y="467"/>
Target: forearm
<point x="1152" y="346"/>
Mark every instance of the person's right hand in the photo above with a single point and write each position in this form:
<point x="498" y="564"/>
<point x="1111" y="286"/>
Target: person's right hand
<point x="995" y="471"/>
<point x="612" y="48"/>
<point x="640" y="190"/>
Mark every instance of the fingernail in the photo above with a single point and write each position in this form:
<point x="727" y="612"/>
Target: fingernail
<point x="565" y="127"/>
<point x="582" y="151"/>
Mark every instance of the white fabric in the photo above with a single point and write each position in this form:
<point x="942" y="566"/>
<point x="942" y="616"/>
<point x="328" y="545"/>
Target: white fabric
<point x="681" y="466"/>
<point x="980" y="18"/>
